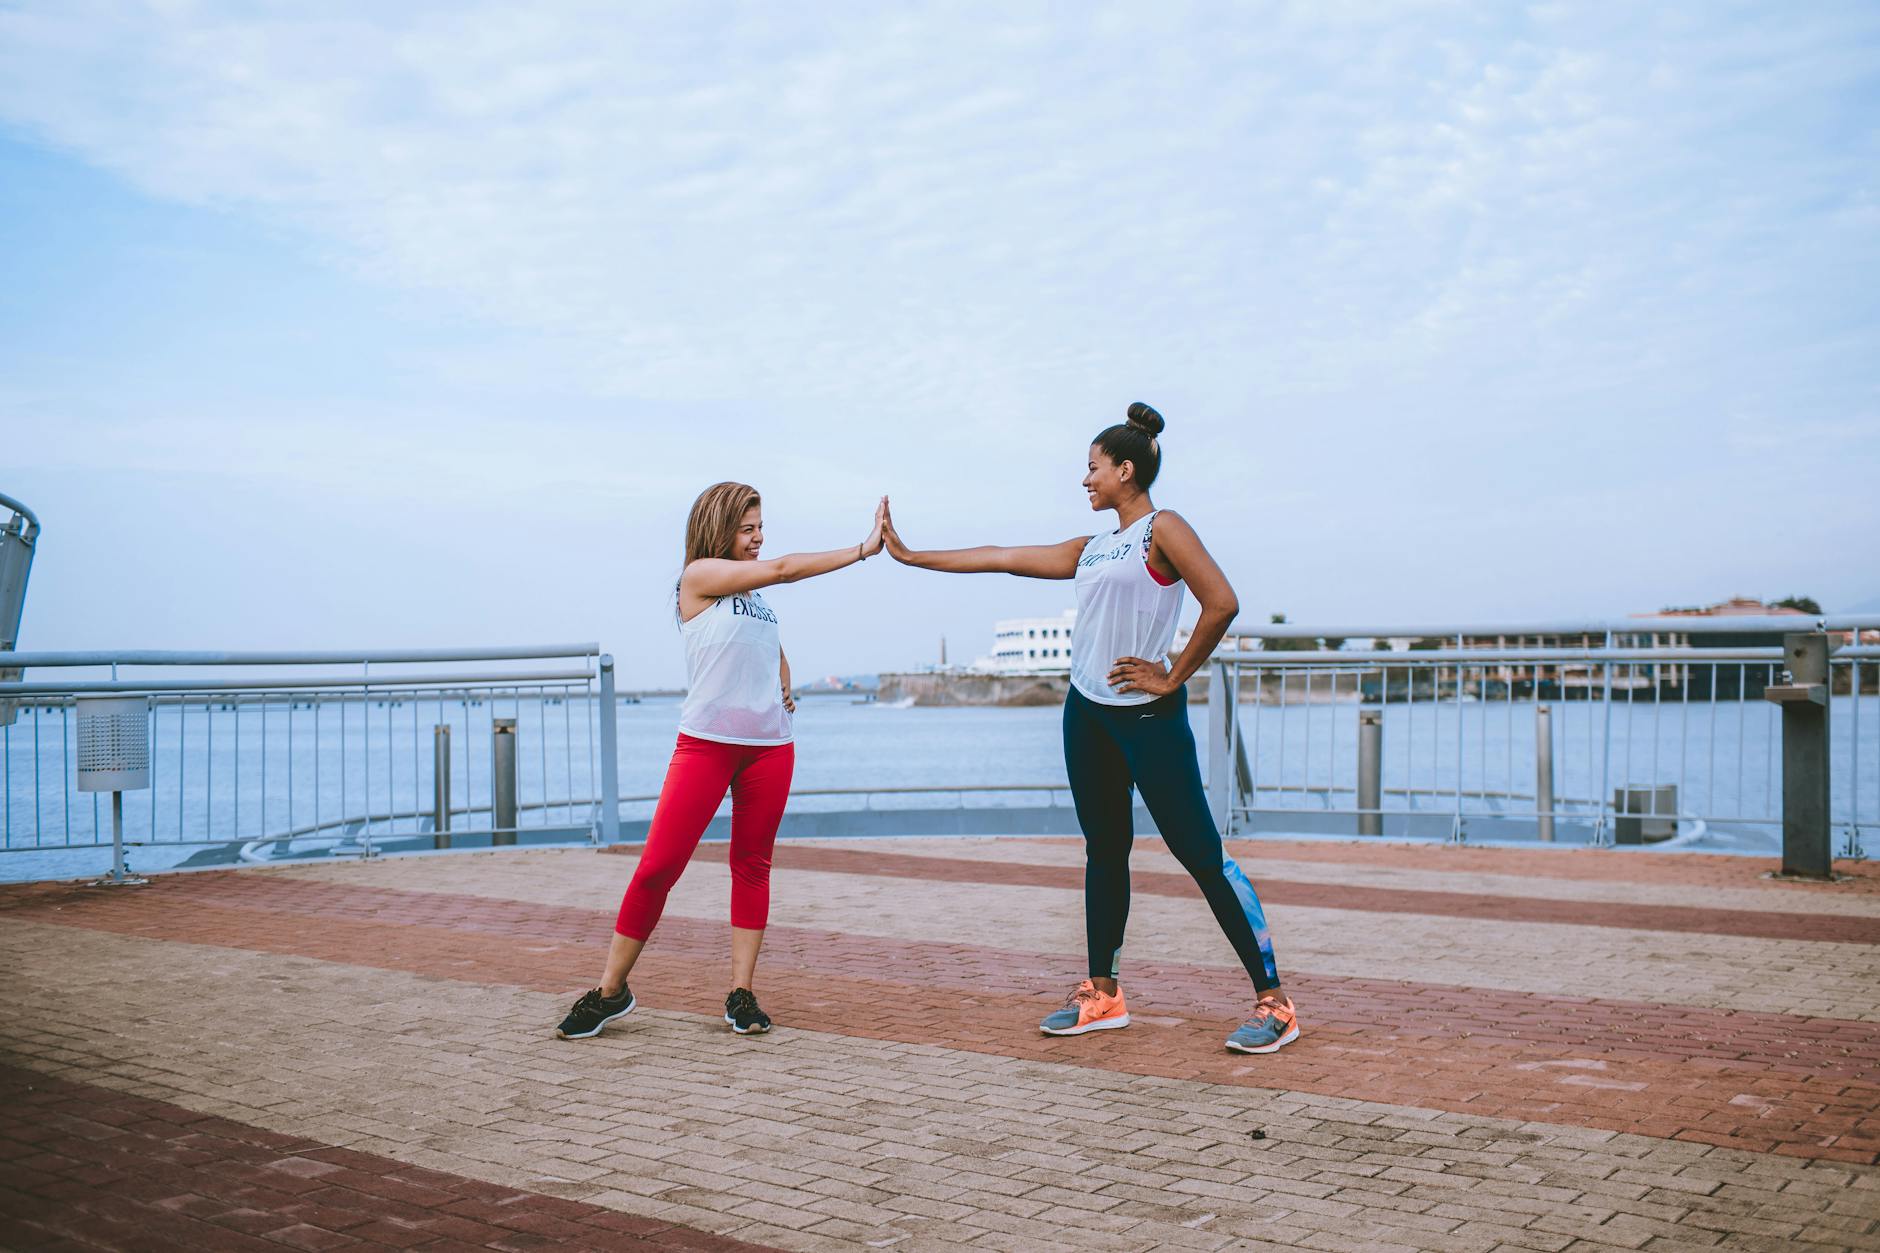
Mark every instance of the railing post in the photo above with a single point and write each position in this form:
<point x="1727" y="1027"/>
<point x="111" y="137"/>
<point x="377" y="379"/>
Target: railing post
<point x="1544" y="771"/>
<point x="440" y="786"/>
<point x="1220" y="732"/>
<point x="1456" y="835"/>
<point x="1806" y="848"/>
<point x="1370" y="771"/>
<point x="610" y="755"/>
<point x="1601" y="828"/>
<point x="503" y="780"/>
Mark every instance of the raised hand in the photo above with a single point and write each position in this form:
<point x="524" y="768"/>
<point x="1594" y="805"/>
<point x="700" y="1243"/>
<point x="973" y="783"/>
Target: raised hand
<point x="872" y="544"/>
<point x="896" y="547"/>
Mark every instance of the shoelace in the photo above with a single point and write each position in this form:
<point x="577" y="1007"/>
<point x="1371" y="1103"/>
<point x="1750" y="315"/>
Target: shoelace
<point x="743" y="1002"/>
<point x="1085" y="991"/>
<point x="1268" y="1008"/>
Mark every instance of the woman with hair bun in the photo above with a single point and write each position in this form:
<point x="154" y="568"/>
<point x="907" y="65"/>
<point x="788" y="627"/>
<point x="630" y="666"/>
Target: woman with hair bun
<point x="734" y="733"/>
<point x="1126" y="720"/>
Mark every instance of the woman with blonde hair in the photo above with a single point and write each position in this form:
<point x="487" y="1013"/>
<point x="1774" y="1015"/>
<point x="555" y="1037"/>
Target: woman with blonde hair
<point x="734" y="733"/>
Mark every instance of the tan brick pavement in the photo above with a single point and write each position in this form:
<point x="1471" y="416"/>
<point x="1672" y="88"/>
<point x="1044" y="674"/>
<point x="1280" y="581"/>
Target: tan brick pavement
<point x="399" y="1011"/>
<point x="808" y="1140"/>
<point x="1714" y="971"/>
<point x="1436" y="868"/>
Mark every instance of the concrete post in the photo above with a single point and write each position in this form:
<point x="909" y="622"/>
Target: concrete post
<point x="610" y="755"/>
<point x="440" y="786"/>
<point x="1370" y="771"/>
<point x="1220" y="732"/>
<point x="503" y="780"/>
<point x="1806" y="848"/>
<point x="1544" y="770"/>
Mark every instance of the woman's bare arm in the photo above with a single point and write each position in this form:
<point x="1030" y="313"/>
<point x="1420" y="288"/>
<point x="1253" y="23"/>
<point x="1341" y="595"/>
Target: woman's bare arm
<point x="711" y="577"/>
<point x="1034" y="561"/>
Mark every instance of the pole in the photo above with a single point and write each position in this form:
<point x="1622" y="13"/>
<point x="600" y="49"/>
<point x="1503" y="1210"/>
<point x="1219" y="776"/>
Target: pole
<point x="440" y="786"/>
<point x="1806" y="847"/>
<point x="610" y="755"/>
<point x="1544" y="770"/>
<point x="503" y="780"/>
<point x="1370" y="771"/>
<point x="117" y="837"/>
<point x="1220" y="783"/>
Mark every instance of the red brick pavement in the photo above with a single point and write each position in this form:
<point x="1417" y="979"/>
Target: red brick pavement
<point x="1586" y="865"/>
<point x="87" y="1167"/>
<point x="1758" y="1081"/>
<point x="1759" y="924"/>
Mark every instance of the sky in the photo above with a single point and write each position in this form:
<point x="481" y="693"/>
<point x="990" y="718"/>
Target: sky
<point x="368" y="325"/>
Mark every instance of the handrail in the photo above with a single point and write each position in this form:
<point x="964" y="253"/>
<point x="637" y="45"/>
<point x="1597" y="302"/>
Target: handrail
<point x="897" y="791"/>
<point x="348" y="683"/>
<point x="277" y="657"/>
<point x="325" y="829"/>
<point x="32" y="519"/>
<point x="1487" y="656"/>
<point x="1763" y="625"/>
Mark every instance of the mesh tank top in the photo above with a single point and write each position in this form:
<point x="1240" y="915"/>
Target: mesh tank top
<point x="1121" y="611"/>
<point x="734" y="691"/>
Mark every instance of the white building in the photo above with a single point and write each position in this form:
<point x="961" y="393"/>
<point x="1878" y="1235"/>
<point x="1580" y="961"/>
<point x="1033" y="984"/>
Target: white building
<point x="1030" y="645"/>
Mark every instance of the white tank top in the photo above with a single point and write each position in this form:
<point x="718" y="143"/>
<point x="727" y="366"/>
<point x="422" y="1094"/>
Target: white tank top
<point x="1121" y="612"/>
<point x="734" y="685"/>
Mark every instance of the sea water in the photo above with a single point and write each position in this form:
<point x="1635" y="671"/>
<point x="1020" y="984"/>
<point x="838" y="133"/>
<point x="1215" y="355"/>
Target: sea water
<point x="234" y="776"/>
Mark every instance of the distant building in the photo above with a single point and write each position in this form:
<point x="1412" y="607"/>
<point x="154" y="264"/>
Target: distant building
<point x="1663" y="679"/>
<point x="1030" y="645"/>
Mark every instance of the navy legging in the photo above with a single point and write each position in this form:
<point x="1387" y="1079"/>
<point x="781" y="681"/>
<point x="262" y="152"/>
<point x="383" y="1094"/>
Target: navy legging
<point x="1109" y="748"/>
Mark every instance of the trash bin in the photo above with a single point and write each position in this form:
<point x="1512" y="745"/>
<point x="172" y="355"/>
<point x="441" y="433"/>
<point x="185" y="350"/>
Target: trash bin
<point x="17" y="539"/>
<point x="1644" y="815"/>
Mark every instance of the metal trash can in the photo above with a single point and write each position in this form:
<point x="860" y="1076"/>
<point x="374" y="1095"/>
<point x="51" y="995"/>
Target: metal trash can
<point x="113" y="743"/>
<point x="18" y="537"/>
<point x="1644" y="815"/>
<point x="113" y="737"/>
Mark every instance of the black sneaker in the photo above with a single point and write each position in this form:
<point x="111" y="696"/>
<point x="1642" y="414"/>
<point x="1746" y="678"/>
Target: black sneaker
<point x="594" y="1011"/>
<point x="742" y="1013"/>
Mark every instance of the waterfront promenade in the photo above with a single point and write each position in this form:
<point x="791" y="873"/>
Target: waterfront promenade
<point x="1503" y="1049"/>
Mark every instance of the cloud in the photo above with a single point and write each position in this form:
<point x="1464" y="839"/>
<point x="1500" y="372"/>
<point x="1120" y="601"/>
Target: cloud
<point x="873" y="204"/>
<point x="1353" y="250"/>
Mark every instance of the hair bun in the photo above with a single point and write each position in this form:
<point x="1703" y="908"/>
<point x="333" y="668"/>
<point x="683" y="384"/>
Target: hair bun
<point x="1146" y="419"/>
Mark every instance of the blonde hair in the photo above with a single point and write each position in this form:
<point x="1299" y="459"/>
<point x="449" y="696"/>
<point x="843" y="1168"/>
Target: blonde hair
<point x="712" y="527"/>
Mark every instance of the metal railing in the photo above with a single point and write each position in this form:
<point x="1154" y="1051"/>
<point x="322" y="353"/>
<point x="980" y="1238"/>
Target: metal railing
<point x="1624" y="730"/>
<point x="338" y="750"/>
<point x="1596" y="731"/>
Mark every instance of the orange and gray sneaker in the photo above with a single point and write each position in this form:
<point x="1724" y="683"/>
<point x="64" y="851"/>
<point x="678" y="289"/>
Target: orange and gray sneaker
<point x="1274" y="1025"/>
<point x="1087" y="1009"/>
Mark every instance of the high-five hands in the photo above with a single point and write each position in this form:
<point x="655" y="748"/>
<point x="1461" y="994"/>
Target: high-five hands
<point x="896" y="548"/>
<point x="1133" y="674"/>
<point x="872" y="544"/>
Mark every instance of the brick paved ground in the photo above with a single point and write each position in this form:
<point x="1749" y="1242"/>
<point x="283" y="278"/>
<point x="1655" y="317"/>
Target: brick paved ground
<point x="1514" y="1049"/>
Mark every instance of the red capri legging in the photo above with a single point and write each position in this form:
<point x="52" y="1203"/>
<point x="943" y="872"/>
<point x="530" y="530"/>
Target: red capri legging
<point x="701" y="770"/>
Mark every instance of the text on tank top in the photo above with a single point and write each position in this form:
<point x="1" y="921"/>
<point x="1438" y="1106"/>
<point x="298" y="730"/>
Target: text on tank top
<point x="734" y="685"/>
<point x="1122" y="611"/>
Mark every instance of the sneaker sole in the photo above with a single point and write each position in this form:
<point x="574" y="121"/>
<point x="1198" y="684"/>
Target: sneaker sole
<point x="589" y="1035"/>
<point x="1102" y="1024"/>
<point x="732" y="1023"/>
<point x="1274" y="1047"/>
